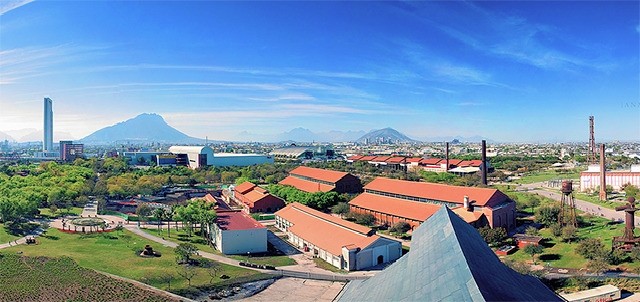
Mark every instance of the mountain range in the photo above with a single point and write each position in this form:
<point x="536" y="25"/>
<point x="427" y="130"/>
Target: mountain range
<point x="146" y="127"/>
<point x="386" y="135"/>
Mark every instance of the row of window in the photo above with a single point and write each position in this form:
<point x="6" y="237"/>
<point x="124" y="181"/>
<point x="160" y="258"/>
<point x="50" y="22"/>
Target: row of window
<point x="407" y="197"/>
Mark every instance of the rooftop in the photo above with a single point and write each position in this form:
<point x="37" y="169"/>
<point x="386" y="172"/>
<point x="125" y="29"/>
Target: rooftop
<point x="413" y="210"/>
<point x="305" y="185"/>
<point x="319" y="174"/>
<point x="234" y="221"/>
<point x="244" y="187"/>
<point x="440" y="192"/>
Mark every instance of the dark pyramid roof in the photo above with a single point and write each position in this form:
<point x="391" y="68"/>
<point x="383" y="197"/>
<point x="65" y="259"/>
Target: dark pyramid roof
<point x="448" y="261"/>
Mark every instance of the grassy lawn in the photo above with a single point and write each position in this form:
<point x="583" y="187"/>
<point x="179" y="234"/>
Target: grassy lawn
<point x="325" y="265"/>
<point x="545" y="176"/>
<point x="46" y="212"/>
<point x="115" y="253"/>
<point x="4" y="236"/>
<point x="181" y="237"/>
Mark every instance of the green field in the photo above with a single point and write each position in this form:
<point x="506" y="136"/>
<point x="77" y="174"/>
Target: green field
<point x="115" y="253"/>
<point x="545" y="176"/>
<point x="181" y="237"/>
<point x="4" y="236"/>
<point x="61" y="279"/>
<point x="46" y="212"/>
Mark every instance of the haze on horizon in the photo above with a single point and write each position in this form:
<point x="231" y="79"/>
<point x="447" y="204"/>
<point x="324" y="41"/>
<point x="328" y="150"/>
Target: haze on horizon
<point x="509" y="71"/>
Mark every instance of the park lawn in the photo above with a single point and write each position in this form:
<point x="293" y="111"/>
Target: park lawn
<point x="546" y="175"/>
<point x="276" y="261"/>
<point x="46" y="212"/>
<point x="180" y="236"/>
<point x="6" y="237"/>
<point x="115" y="253"/>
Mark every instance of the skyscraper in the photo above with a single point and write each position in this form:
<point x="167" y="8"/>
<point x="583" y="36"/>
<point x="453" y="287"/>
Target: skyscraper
<point x="47" y="142"/>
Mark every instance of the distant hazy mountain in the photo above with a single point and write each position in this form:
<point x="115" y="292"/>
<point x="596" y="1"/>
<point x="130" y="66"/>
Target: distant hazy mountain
<point x="38" y="135"/>
<point x="146" y="127"/>
<point x="4" y="136"/>
<point x="386" y="135"/>
<point x="306" y="135"/>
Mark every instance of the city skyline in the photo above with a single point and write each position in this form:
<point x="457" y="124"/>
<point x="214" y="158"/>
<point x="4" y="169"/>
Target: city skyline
<point x="502" y="70"/>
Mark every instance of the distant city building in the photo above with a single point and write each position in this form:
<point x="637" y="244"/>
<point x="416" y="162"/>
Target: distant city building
<point x="301" y="153"/>
<point x="590" y="179"/>
<point x="70" y="151"/>
<point x="255" y="199"/>
<point x="448" y="261"/>
<point x="438" y="165"/>
<point x="321" y="180"/>
<point x="343" y="244"/>
<point x="237" y="233"/>
<point x="200" y="156"/>
<point x="391" y="201"/>
<point x="47" y="141"/>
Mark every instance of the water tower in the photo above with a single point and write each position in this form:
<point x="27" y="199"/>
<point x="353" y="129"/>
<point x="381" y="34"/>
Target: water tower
<point x="567" y="215"/>
<point x="627" y="241"/>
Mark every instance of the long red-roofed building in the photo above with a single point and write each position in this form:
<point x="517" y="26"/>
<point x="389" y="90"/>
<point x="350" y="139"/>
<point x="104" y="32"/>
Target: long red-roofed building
<point x="255" y="199"/>
<point x="313" y="180"/>
<point x="391" y="200"/>
<point x="341" y="243"/>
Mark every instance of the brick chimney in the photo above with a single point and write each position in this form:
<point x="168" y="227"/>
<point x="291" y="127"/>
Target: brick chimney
<point x="484" y="162"/>
<point x="603" y="179"/>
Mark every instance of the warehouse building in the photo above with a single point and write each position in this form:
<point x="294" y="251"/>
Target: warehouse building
<point x="590" y="179"/>
<point x="255" y="199"/>
<point x="341" y="243"/>
<point x="321" y="180"/>
<point x="390" y="201"/>
<point x="235" y="233"/>
<point x="201" y="156"/>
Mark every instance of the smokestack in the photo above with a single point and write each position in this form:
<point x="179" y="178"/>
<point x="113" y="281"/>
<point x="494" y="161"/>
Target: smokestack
<point x="603" y="180"/>
<point x="484" y="162"/>
<point x="466" y="203"/>
<point x="446" y="156"/>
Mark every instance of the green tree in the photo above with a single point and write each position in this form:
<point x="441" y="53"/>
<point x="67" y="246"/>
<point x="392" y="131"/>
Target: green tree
<point x="531" y="231"/>
<point x="184" y="251"/>
<point x="400" y="227"/>
<point x="532" y="250"/>
<point x="493" y="236"/>
<point x="341" y="208"/>
<point x="547" y="215"/>
<point x="591" y="248"/>
<point x="213" y="269"/>
<point x="188" y="272"/>
<point x="142" y="211"/>
<point x="569" y="233"/>
<point x="597" y="265"/>
<point x="556" y="229"/>
<point x="158" y="214"/>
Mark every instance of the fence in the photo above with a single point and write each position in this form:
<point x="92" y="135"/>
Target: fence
<point x="316" y="276"/>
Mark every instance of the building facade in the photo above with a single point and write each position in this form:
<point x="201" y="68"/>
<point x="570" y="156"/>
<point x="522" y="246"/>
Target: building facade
<point x="47" y="140"/>
<point x="391" y="201"/>
<point x="341" y="243"/>
<point x="236" y="233"/>
<point x="255" y="199"/>
<point x="590" y="179"/>
<point x="321" y="180"/>
<point x="70" y="151"/>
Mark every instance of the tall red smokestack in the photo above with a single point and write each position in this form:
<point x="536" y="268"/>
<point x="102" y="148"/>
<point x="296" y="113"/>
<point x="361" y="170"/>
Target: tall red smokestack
<point x="603" y="180"/>
<point x="484" y="162"/>
<point x="446" y="156"/>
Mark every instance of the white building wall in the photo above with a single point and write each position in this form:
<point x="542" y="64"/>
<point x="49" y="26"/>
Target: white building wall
<point x="239" y="242"/>
<point x="220" y="160"/>
<point x="589" y="182"/>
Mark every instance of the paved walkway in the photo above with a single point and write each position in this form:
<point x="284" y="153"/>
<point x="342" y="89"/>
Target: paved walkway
<point x="300" y="290"/>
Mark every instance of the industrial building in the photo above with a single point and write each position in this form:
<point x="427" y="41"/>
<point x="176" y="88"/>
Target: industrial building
<point x="321" y="180"/>
<point x="391" y="201"/>
<point x="201" y="156"/>
<point x="70" y="151"/>
<point x="590" y="179"/>
<point x="301" y="153"/>
<point x="438" y="165"/>
<point x="236" y="233"/>
<point x="255" y="199"/>
<point x="341" y="243"/>
<point x="448" y="261"/>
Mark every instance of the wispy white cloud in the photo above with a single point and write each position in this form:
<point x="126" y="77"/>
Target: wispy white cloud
<point x="8" y="5"/>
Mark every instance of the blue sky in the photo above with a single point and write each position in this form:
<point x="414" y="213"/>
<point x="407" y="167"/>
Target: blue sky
<point x="509" y="71"/>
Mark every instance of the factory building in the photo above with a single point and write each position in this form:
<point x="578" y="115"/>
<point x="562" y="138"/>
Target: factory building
<point x="321" y="180"/>
<point x="438" y="165"/>
<point x="391" y="201"/>
<point x="255" y="199"/>
<point x="235" y="233"/>
<point x="590" y="179"/>
<point x="201" y="156"/>
<point x="301" y="153"/>
<point x="341" y="243"/>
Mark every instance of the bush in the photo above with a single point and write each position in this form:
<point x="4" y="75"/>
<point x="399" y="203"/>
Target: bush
<point x="493" y="236"/>
<point x="547" y="215"/>
<point x="591" y="248"/>
<point x="400" y="227"/>
<point x="556" y="229"/>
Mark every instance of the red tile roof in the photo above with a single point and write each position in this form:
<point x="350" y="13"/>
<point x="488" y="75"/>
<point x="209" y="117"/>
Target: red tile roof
<point x="319" y="174"/>
<point x="244" y="187"/>
<point x="454" y="162"/>
<point x="395" y="206"/>
<point x="470" y="163"/>
<point x="325" y="231"/>
<point x="381" y="159"/>
<point x="440" y="192"/>
<point x="233" y="220"/>
<point x="368" y="157"/>
<point x="468" y="216"/>
<point x="414" y="159"/>
<point x="305" y="185"/>
<point x="396" y="160"/>
<point x="209" y="198"/>
<point x="430" y="161"/>
<point x="355" y="157"/>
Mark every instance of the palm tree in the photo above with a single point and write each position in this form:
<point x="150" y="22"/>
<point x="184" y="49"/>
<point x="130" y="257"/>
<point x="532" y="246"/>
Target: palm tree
<point x="158" y="214"/>
<point x="168" y="215"/>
